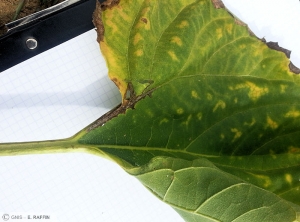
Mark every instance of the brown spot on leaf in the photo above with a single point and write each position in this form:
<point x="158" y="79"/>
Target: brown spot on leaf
<point x="144" y="20"/>
<point x="294" y="68"/>
<point x="218" y="4"/>
<point x="116" y="81"/>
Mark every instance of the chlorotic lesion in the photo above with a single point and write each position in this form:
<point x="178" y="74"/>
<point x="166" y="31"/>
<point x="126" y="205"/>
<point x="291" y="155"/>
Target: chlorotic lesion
<point x="283" y="88"/>
<point x="194" y="94"/>
<point x="209" y="96"/>
<point x="253" y="121"/>
<point x="199" y="116"/>
<point x="179" y="111"/>
<point x="139" y="52"/>
<point x="242" y="46"/>
<point x="137" y="38"/>
<point x="255" y="92"/>
<point x="293" y="149"/>
<point x="237" y="134"/>
<point x="229" y="28"/>
<point x="188" y="120"/>
<point x="266" y="180"/>
<point x="293" y="114"/>
<point x="271" y="123"/>
<point x="173" y="55"/>
<point x="113" y="26"/>
<point x="219" y="33"/>
<point x="288" y="178"/>
<point x="150" y="114"/>
<point x="177" y="40"/>
<point x="183" y="24"/>
<point x="164" y="120"/>
<point x="220" y="104"/>
<point x="222" y="136"/>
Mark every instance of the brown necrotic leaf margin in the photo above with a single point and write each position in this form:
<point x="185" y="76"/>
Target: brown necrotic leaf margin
<point x="218" y="4"/>
<point x="275" y="46"/>
<point x="97" y="20"/>
<point x="272" y="45"/>
<point x="130" y="102"/>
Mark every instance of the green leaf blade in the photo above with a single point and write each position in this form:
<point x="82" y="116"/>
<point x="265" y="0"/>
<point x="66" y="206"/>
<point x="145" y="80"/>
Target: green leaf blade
<point x="226" y="198"/>
<point x="202" y="87"/>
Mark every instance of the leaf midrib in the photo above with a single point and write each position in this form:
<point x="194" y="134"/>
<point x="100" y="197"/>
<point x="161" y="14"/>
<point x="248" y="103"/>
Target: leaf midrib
<point x="173" y="152"/>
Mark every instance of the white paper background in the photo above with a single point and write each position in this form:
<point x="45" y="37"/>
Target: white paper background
<point x="59" y="92"/>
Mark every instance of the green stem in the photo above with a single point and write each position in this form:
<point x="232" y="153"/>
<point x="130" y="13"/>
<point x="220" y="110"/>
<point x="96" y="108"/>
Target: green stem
<point x="48" y="146"/>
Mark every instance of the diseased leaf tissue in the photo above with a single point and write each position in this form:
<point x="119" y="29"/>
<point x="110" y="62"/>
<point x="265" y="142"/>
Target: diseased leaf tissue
<point x="210" y="116"/>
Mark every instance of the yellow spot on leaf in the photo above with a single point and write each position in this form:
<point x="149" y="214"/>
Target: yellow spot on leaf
<point x="147" y="25"/>
<point x="173" y="55"/>
<point x="139" y="52"/>
<point x="237" y="134"/>
<point x="253" y="121"/>
<point x="145" y="21"/>
<point x="195" y="95"/>
<point x="124" y="16"/>
<point x="293" y="114"/>
<point x="164" y="120"/>
<point x="293" y="149"/>
<point x="209" y="96"/>
<point x="220" y="104"/>
<point x="112" y="25"/>
<point x="283" y="88"/>
<point x="176" y="40"/>
<point x="242" y="46"/>
<point x="272" y="153"/>
<point x="229" y="28"/>
<point x="150" y="113"/>
<point x="199" y="116"/>
<point x="265" y="179"/>
<point x="137" y="38"/>
<point x="188" y="120"/>
<point x="271" y="123"/>
<point x="255" y="92"/>
<point x="288" y="178"/>
<point x="183" y="24"/>
<point x="146" y="10"/>
<point x="179" y="111"/>
<point x="219" y="33"/>
<point x="222" y="136"/>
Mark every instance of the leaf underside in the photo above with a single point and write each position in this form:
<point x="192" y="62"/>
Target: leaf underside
<point x="214" y="131"/>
